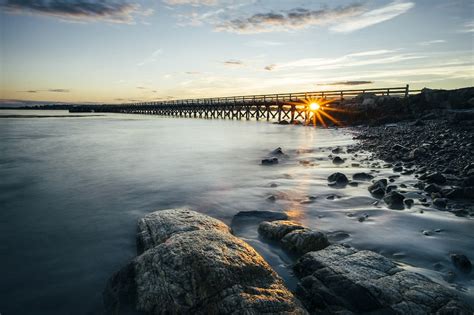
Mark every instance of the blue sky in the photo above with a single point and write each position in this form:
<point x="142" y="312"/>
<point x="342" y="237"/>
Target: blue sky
<point x="123" y="51"/>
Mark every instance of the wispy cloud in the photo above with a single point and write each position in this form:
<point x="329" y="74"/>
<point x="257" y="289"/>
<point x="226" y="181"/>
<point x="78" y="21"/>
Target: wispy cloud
<point x="365" y="58"/>
<point x="351" y="83"/>
<point x="152" y="58"/>
<point x="373" y="17"/>
<point x="432" y="42"/>
<point x="48" y="90"/>
<point x="77" y="10"/>
<point x="233" y="63"/>
<point x="468" y="27"/>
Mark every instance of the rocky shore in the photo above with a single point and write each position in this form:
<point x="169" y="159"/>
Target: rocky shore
<point x="432" y="137"/>
<point x="189" y="263"/>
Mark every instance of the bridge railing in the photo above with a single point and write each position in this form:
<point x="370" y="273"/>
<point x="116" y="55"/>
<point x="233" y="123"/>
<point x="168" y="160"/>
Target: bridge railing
<point x="284" y="97"/>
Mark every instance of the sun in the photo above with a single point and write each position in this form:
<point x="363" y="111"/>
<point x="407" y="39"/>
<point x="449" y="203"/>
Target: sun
<point x="314" y="106"/>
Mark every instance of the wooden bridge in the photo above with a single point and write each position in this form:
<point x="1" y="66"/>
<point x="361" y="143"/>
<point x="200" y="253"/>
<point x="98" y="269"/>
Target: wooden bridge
<point x="279" y="107"/>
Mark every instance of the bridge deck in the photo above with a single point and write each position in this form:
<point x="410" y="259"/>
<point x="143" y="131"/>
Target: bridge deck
<point x="279" y="107"/>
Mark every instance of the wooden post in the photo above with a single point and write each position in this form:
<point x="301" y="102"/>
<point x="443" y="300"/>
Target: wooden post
<point x="407" y="90"/>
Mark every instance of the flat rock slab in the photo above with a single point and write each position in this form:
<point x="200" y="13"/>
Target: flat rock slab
<point x="192" y="264"/>
<point x="342" y="280"/>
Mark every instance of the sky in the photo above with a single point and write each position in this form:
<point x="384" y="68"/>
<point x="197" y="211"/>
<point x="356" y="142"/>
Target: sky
<point x="120" y="51"/>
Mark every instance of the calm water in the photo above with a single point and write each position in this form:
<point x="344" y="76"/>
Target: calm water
<point x="72" y="189"/>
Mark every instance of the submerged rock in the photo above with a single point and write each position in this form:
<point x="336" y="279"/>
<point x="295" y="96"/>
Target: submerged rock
<point x="195" y="266"/>
<point x="461" y="262"/>
<point x="362" y="176"/>
<point x="337" y="160"/>
<point x="338" y="180"/>
<point x="302" y="241"/>
<point x="270" y="161"/>
<point x="394" y="200"/>
<point x="377" y="189"/>
<point x="340" y="280"/>
<point x="276" y="230"/>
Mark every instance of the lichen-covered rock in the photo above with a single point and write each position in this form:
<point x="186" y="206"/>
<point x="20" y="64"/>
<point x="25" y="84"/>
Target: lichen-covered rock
<point x="341" y="279"/>
<point x="302" y="241"/>
<point x="193" y="265"/>
<point x="276" y="230"/>
<point x="157" y="227"/>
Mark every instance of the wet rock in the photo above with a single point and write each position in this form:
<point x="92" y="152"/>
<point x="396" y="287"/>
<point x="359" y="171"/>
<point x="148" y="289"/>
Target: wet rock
<point x="432" y="188"/>
<point x="436" y="178"/>
<point x="197" y="270"/>
<point x="272" y="198"/>
<point x="461" y="262"/>
<point x="338" y="180"/>
<point x="277" y="151"/>
<point x="440" y="203"/>
<point x="337" y="160"/>
<point x="270" y="161"/>
<point x="394" y="200"/>
<point x="408" y="202"/>
<point x="283" y="122"/>
<point x="302" y="241"/>
<point x="362" y="176"/>
<point x="342" y="280"/>
<point x="377" y="189"/>
<point x="398" y="169"/>
<point x="246" y="218"/>
<point x="276" y="230"/>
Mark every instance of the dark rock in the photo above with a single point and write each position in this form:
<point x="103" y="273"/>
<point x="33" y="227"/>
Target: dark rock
<point x="277" y="151"/>
<point x="377" y="189"/>
<point x="362" y="176"/>
<point x="398" y="169"/>
<point x="432" y="188"/>
<point x="338" y="180"/>
<point x="408" y="202"/>
<point x="436" y="178"/>
<point x="283" y="122"/>
<point x="394" y="200"/>
<point x="440" y="203"/>
<point x="270" y="161"/>
<point x="263" y="215"/>
<point x="276" y="230"/>
<point x="342" y="280"/>
<point x="461" y="262"/>
<point x="302" y="241"/>
<point x="337" y="160"/>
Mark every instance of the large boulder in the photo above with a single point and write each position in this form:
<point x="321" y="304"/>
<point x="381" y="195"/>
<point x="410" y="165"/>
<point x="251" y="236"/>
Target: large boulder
<point x="192" y="264"/>
<point x="156" y="227"/>
<point x="341" y="280"/>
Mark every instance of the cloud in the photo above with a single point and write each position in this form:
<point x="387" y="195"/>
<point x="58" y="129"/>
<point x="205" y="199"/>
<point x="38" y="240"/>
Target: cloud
<point x="191" y="2"/>
<point x="270" y="67"/>
<point x="192" y="72"/>
<point x="343" y="19"/>
<point x="351" y="83"/>
<point x="77" y="10"/>
<point x="373" y="17"/>
<point x="59" y="90"/>
<point x="365" y="58"/>
<point x="233" y="63"/>
<point x="49" y="90"/>
<point x="468" y="27"/>
<point x="432" y="42"/>
<point x="152" y="58"/>
<point x="297" y="18"/>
